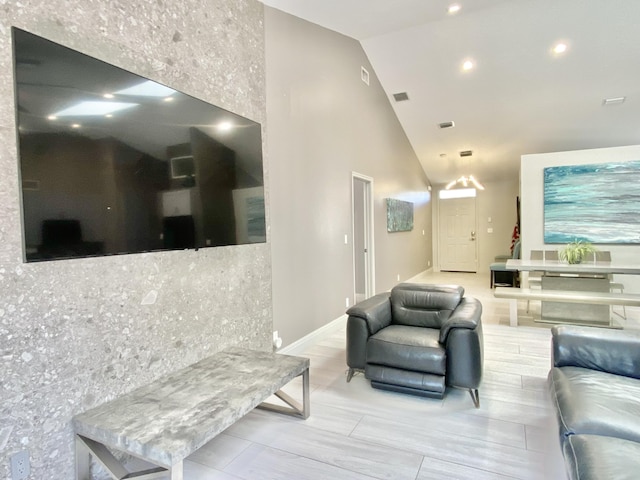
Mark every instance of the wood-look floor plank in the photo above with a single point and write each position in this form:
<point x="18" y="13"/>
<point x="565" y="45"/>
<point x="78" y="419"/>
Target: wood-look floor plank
<point x="436" y="469"/>
<point x="499" y="378"/>
<point x="462" y="424"/>
<point x="536" y="350"/>
<point x="516" y="368"/>
<point x="323" y="417"/>
<point x="341" y="451"/>
<point x="197" y="471"/>
<point x="452" y="447"/>
<point x="533" y="397"/>
<point x="264" y="463"/>
<point x="220" y="451"/>
<point x="533" y="383"/>
<point x="500" y="410"/>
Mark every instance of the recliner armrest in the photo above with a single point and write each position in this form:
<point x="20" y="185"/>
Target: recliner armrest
<point x="606" y="350"/>
<point x="466" y="315"/>
<point x="375" y="311"/>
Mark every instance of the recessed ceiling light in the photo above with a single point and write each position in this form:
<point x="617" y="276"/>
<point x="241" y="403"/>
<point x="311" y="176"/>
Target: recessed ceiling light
<point x="108" y="95"/>
<point x="560" y="48"/>
<point x="167" y="99"/>
<point x="89" y="108"/>
<point x="454" y="8"/>
<point x="52" y="117"/>
<point x="148" y="88"/>
<point x="75" y="125"/>
<point x="225" y="126"/>
<point x="468" y="65"/>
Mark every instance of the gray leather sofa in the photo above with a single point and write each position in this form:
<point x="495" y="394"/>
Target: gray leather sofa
<point x="417" y="339"/>
<point x="595" y="388"/>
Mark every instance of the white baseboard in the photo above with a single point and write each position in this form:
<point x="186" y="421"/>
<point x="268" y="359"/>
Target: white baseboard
<point x="299" y="346"/>
<point x="413" y="279"/>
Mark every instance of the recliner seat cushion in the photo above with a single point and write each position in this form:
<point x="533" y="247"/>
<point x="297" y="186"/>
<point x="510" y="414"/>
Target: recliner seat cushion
<point x="409" y="348"/>
<point x="595" y="457"/>
<point x="593" y="402"/>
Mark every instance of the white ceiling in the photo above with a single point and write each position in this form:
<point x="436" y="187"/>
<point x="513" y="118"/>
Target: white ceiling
<point x="520" y="98"/>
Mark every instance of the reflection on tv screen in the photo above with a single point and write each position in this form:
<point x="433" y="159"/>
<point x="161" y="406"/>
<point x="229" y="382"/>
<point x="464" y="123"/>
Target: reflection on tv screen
<point x="114" y="163"/>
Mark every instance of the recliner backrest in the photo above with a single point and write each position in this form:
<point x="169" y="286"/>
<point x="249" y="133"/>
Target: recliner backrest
<point x="421" y="305"/>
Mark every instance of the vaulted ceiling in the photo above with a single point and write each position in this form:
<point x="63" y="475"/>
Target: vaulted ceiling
<point x="520" y="97"/>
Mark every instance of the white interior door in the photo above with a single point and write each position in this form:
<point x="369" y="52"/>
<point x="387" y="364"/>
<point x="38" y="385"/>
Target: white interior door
<point x="458" y="239"/>
<point x="363" y="264"/>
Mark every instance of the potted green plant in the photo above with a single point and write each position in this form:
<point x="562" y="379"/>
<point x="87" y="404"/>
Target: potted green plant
<point x="576" y="251"/>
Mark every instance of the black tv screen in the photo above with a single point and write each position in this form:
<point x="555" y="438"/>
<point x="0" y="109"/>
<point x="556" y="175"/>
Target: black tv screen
<point x="113" y="163"/>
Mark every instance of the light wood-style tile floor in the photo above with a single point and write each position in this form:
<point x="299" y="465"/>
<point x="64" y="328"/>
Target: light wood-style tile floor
<point x="356" y="432"/>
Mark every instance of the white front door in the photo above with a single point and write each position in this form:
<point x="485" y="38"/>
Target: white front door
<point x="458" y="239"/>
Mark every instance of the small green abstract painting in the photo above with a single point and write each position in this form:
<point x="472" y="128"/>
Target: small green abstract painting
<point x="399" y="215"/>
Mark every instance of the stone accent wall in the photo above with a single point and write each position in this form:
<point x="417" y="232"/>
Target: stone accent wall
<point x="74" y="333"/>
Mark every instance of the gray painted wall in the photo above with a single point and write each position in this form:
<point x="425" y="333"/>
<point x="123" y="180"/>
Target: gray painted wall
<point x="324" y="123"/>
<point x="74" y="333"/>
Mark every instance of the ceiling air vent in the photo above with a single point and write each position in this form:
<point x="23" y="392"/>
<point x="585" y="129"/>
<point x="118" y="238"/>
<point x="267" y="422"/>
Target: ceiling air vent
<point x="466" y="153"/>
<point x="446" y="125"/>
<point x="401" y="97"/>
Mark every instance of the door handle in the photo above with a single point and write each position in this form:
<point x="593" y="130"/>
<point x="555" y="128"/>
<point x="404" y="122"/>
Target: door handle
<point x="473" y="236"/>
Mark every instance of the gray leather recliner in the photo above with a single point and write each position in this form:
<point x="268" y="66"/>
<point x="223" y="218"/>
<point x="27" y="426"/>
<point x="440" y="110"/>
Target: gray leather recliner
<point x="595" y="389"/>
<point x="417" y="339"/>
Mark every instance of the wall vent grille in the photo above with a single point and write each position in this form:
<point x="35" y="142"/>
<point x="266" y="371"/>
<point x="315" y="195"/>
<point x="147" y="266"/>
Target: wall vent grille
<point x="401" y="97"/>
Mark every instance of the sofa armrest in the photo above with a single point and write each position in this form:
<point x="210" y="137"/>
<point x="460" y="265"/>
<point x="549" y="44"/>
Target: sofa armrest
<point x="466" y="315"/>
<point x="375" y="311"/>
<point x="606" y="350"/>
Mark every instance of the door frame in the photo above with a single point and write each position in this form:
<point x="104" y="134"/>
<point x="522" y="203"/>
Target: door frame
<point x="370" y="264"/>
<point x="438" y="225"/>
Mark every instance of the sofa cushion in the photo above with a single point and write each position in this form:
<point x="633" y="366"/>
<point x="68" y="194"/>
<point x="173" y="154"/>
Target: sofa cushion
<point x="424" y="305"/>
<point x="408" y="348"/>
<point x="593" y="402"/>
<point x="595" y="457"/>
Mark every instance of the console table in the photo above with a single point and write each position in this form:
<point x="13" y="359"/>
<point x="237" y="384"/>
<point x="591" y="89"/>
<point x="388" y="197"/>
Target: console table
<point x="572" y="292"/>
<point x="167" y="420"/>
<point x="556" y="266"/>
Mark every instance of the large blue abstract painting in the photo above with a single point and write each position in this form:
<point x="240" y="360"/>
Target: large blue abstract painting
<point x="598" y="203"/>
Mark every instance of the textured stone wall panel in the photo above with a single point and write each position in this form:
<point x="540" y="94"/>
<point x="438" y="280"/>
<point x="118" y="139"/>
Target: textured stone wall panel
<point x="75" y="333"/>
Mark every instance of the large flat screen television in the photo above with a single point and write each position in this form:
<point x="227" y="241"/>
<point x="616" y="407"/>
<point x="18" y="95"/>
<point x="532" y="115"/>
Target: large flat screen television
<point x="113" y="163"/>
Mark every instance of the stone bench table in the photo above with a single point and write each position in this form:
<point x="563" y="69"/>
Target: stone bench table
<point x="166" y="421"/>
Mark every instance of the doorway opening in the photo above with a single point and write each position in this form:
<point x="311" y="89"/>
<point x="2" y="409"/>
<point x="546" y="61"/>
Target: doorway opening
<point x="362" y="234"/>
